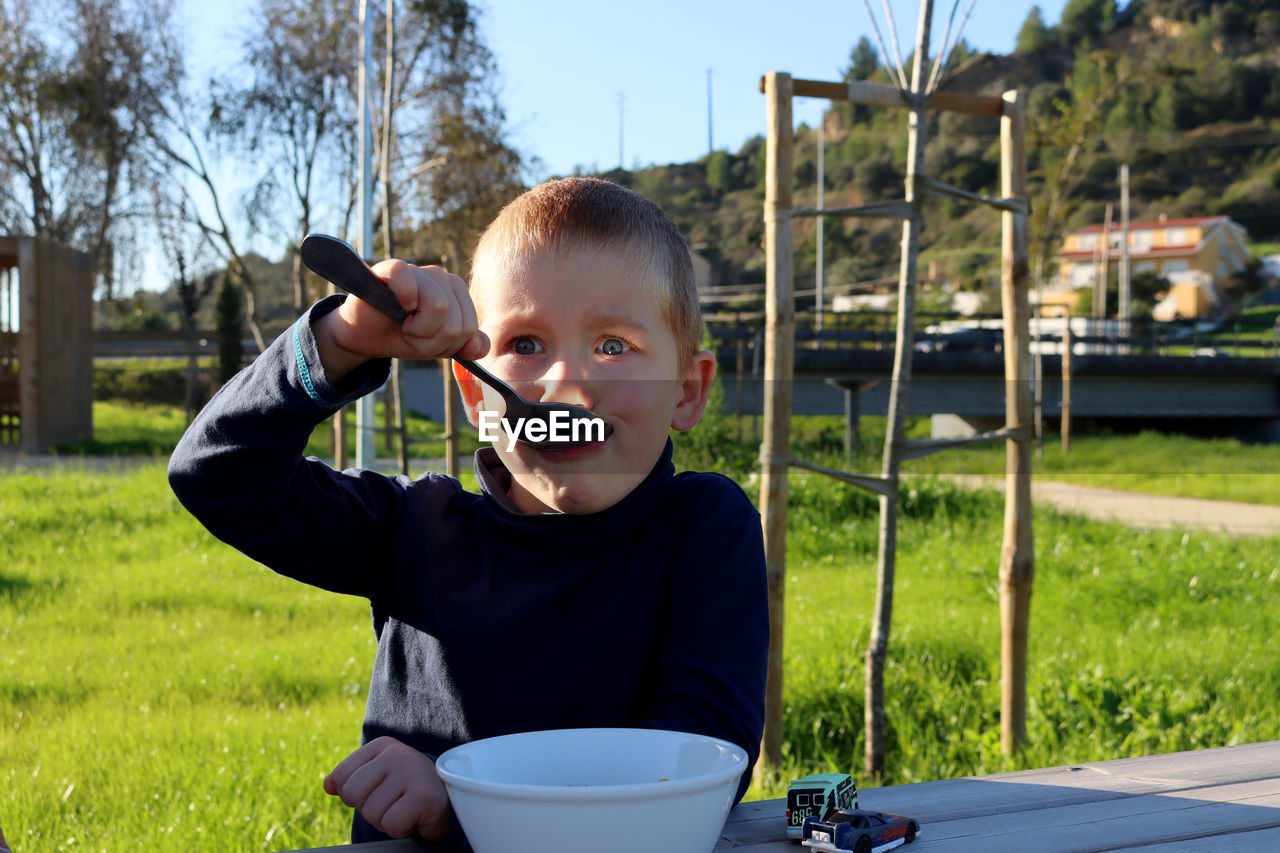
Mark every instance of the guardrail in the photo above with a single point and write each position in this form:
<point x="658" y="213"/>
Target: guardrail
<point x="875" y="330"/>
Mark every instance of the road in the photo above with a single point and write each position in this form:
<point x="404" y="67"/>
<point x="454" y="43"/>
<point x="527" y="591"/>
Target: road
<point x="1151" y="512"/>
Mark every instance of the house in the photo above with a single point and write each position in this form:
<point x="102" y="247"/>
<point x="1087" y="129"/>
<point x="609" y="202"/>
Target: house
<point x="1195" y="254"/>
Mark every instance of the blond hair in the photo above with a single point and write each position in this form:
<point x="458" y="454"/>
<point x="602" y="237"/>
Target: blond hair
<point x="572" y="214"/>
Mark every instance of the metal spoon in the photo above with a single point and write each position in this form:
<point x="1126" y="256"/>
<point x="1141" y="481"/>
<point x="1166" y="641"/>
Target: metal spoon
<point x="336" y="261"/>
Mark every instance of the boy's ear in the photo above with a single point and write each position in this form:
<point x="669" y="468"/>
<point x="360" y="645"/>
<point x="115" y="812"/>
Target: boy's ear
<point x="694" y="388"/>
<point x="471" y="390"/>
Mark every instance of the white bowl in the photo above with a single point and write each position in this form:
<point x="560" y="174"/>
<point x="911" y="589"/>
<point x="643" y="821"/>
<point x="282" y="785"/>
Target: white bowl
<point x="580" y="790"/>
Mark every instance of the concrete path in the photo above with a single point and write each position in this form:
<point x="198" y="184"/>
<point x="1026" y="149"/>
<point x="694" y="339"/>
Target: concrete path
<point x="1152" y="512"/>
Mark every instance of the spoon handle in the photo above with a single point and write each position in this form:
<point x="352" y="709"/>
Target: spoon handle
<point x="336" y="261"/>
<point x="516" y="405"/>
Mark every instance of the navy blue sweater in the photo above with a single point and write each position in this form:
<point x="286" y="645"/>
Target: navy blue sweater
<point x="651" y="613"/>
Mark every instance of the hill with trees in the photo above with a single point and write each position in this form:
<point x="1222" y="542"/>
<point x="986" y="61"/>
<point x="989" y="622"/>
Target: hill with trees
<point x="1186" y="92"/>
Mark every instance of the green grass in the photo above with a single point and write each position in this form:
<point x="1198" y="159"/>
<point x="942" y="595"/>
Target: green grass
<point x="130" y="429"/>
<point x="163" y="692"/>
<point x="133" y="429"/>
<point x="1141" y="642"/>
<point x="1148" y="462"/>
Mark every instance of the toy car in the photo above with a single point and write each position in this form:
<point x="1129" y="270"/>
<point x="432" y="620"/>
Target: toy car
<point x="820" y="795"/>
<point x="857" y="831"/>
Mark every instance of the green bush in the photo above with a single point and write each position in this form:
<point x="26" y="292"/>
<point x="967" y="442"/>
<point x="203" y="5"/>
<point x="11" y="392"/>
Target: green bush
<point x="159" y="383"/>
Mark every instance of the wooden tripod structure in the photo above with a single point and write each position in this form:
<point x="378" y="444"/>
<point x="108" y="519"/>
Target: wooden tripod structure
<point x="1017" y="558"/>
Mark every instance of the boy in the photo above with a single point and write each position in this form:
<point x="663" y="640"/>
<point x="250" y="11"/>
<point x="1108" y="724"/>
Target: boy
<point x="587" y="586"/>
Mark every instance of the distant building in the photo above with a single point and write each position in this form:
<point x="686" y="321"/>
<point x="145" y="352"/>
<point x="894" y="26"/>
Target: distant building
<point x="1196" y="254"/>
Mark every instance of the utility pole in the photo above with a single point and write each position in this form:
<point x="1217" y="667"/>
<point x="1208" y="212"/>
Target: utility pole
<point x="710" y="146"/>
<point x="1100" y="286"/>
<point x="622" y="99"/>
<point x="822" y="180"/>
<point x="364" y="408"/>
<point x="1125" y="288"/>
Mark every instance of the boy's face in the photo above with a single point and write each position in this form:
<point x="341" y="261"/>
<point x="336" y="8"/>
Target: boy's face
<point x="581" y="330"/>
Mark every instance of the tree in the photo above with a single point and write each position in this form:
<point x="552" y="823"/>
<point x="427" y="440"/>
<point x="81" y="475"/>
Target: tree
<point x="296" y="113"/>
<point x="438" y="126"/>
<point x="1067" y="138"/>
<point x="186" y="247"/>
<point x="864" y="61"/>
<point x="230" y="327"/>
<point x="1086" y="20"/>
<point x="176" y="143"/>
<point x="1034" y="36"/>
<point x="78" y="78"/>
<point x="719" y="173"/>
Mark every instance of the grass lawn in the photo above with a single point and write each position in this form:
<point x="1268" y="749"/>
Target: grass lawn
<point x="1148" y="462"/>
<point x="1155" y="463"/>
<point x="162" y="692"/>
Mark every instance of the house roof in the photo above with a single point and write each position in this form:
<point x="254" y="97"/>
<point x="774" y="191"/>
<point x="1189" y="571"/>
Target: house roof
<point x="1136" y="252"/>
<point x="1160" y="223"/>
<point x="1210" y="224"/>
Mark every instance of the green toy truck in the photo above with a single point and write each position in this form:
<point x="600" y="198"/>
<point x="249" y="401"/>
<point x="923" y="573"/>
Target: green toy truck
<point x="820" y="795"/>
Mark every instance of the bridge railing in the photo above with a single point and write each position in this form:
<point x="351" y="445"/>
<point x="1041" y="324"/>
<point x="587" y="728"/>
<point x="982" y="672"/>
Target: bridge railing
<point x="984" y="333"/>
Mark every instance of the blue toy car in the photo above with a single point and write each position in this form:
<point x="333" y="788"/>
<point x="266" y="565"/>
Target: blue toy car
<point x="858" y="831"/>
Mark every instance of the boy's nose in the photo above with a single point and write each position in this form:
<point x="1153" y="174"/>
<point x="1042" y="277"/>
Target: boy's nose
<point x="566" y="382"/>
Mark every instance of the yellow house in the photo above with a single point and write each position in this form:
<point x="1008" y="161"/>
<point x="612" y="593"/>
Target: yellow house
<point x="1197" y="255"/>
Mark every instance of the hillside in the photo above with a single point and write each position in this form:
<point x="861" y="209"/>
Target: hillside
<point x="1187" y="93"/>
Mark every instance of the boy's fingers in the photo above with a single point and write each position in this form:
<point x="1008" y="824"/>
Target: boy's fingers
<point x="475" y="343"/>
<point x="378" y="801"/>
<point x="437" y="308"/>
<point x="400" y="278"/>
<point x="403" y="816"/>
<point x="339" y="775"/>
<point x="476" y="347"/>
<point x="447" y="321"/>
<point x="361" y="783"/>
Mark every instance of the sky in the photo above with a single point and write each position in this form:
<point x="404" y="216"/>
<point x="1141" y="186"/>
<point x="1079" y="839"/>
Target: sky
<point x="585" y="81"/>
<point x="578" y="81"/>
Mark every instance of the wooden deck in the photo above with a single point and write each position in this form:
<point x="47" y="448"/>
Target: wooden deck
<point x="1224" y="799"/>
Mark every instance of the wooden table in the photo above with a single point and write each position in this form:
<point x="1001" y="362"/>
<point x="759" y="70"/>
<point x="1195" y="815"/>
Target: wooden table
<point x="1224" y="799"/>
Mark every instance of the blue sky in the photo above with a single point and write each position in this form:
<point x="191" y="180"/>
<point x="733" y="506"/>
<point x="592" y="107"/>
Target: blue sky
<point x="564" y="65"/>
<point x="563" y="70"/>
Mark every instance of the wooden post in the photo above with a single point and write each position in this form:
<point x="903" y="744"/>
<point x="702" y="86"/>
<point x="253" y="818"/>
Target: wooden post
<point x="1017" y="557"/>
<point x="401" y="428"/>
<point x="340" y="460"/>
<point x="450" y="418"/>
<point x="339" y="426"/>
<point x="742" y="363"/>
<point x="851" y="413"/>
<point x="1066" y="385"/>
<point x="779" y="347"/>
<point x="882" y="614"/>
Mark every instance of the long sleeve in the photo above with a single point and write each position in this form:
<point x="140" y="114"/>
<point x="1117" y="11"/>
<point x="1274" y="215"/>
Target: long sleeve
<point x="239" y="469"/>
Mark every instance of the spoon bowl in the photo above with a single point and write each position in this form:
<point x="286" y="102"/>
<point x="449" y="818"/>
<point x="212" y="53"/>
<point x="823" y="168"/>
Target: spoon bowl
<point x="551" y="426"/>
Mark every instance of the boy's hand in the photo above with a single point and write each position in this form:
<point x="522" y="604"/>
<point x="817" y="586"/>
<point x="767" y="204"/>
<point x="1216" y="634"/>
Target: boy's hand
<point x="442" y="322"/>
<point x="395" y="787"/>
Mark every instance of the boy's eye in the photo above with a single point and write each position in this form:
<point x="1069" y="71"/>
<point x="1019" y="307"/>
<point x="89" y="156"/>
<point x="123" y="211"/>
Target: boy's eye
<point x="613" y="346"/>
<point x="524" y="346"/>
